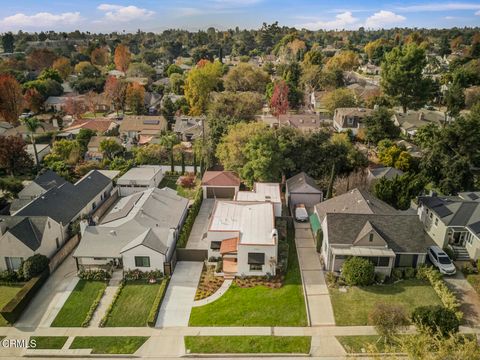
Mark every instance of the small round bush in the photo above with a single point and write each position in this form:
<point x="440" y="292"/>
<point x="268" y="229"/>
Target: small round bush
<point x="397" y="274"/>
<point x="436" y="318"/>
<point x="388" y="318"/>
<point x="357" y="271"/>
<point x="409" y="273"/>
<point x="34" y="266"/>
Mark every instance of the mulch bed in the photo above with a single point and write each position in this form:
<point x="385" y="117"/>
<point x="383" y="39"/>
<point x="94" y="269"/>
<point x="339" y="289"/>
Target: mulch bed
<point x="252" y="281"/>
<point x="209" y="283"/>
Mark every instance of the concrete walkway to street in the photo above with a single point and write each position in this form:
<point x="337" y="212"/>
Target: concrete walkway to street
<point x="317" y="297"/>
<point x="107" y="298"/>
<point x="200" y="226"/>
<point x="177" y="304"/>
<point x="216" y="295"/>
<point x="467" y="296"/>
<point x="49" y="300"/>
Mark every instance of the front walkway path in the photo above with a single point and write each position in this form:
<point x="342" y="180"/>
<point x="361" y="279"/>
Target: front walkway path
<point x="317" y="297"/>
<point x="107" y="298"/>
<point x="467" y="296"/>
<point x="216" y="295"/>
<point x="178" y="301"/>
<point x="200" y="226"/>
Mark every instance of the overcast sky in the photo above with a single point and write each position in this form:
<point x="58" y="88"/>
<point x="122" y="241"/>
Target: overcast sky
<point x="157" y="15"/>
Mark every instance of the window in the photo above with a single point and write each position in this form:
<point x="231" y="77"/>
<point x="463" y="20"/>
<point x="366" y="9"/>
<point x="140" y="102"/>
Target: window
<point x="142" y="261"/>
<point x="57" y="242"/>
<point x="340" y="257"/>
<point x="13" y="263"/>
<point x="431" y="215"/>
<point x="256" y="259"/>
<point x="350" y="121"/>
<point x="254" y="267"/>
<point x="370" y="237"/>
<point x="382" y="261"/>
<point x="436" y="221"/>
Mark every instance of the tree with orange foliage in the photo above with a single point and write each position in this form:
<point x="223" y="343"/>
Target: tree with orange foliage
<point x="11" y="98"/>
<point x="40" y="59"/>
<point x="74" y="106"/>
<point x="99" y="56"/>
<point x="279" y="102"/>
<point x="33" y="99"/>
<point x="122" y="58"/>
<point x="63" y="66"/>
<point x="91" y="102"/>
<point x="135" y="98"/>
<point x="116" y="90"/>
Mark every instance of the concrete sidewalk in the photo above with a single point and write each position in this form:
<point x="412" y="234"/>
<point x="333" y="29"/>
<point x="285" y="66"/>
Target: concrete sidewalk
<point x="178" y="301"/>
<point x="317" y="296"/>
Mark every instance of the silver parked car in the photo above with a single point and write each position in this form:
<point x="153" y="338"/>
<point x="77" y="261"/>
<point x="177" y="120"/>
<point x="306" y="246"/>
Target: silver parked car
<point x="441" y="260"/>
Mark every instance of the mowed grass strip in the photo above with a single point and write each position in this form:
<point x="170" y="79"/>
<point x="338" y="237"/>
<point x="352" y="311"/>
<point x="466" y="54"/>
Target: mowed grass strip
<point x="352" y="307"/>
<point x="76" y="308"/>
<point x="109" y="344"/>
<point x="260" y="305"/>
<point x="248" y="344"/>
<point x="49" y="342"/>
<point x="133" y="305"/>
<point x="357" y="344"/>
<point x="7" y="293"/>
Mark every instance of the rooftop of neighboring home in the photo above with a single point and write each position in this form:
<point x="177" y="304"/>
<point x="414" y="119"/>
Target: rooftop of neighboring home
<point x="65" y="201"/>
<point x="254" y="221"/>
<point x="387" y="172"/>
<point x="100" y="125"/>
<point x="298" y="182"/>
<point x="143" y="173"/>
<point x="148" y="218"/>
<point x="96" y="140"/>
<point x="188" y="124"/>
<point x="27" y="229"/>
<point x="301" y="121"/>
<point x="353" y="202"/>
<point x="412" y="120"/>
<point x="412" y="149"/>
<point x="261" y="192"/>
<point x="220" y="178"/>
<point x="22" y="129"/>
<point x="342" y="115"/>
<point x="144" y="124"/>
<point x="462" y="210"/>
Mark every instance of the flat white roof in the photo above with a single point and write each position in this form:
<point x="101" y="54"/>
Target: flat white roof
<point x="262" y="192"/>
<point x="254" y="221"/>
<point x="141" y="173"/>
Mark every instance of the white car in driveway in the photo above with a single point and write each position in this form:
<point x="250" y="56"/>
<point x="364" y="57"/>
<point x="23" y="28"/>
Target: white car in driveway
<point x="301" y="213"/>
<point x="440" y="259"/>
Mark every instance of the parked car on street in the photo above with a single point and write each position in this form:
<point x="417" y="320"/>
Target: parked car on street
<point x="301" y="213"/>
<point x="441" y="260"/>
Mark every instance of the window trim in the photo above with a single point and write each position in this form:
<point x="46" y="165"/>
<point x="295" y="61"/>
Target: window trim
<point x="139" y="259"/>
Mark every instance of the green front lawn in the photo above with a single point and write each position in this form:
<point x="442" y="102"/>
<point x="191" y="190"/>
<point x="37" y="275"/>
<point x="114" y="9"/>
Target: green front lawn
<point x="76" y="308"/>
<point x="352" y="307"/>
<point x="49" y="342"/>
<point x="260" y="305"/>
<point x="109" y="344"/>
<point x="364" y="343"/>
<point x="248" y="344"/>
<point x="133" y="305"/>
<point x="171" y="182"/>
<point x="7" y="292"/>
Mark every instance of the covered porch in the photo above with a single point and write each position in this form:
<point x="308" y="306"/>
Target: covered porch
<point x="382" y="258"/>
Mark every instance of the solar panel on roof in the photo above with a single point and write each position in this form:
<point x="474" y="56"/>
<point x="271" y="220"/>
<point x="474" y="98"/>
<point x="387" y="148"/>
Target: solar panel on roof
<point x="475" y="227"/>
<point x="442" y="211"/>
<point x="473" y="196"/>
<point x="151" y="122"/>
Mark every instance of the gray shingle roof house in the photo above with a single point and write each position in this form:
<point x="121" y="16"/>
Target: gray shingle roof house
<point x="411" y="121"/>
<point x="188" y="128"/>
<point x="302" y="189"/>
<point x="349" y="119"/>
<point x="453" y="220"/>
<point x="140" y="232"/>
<point x="387" y="172"/>
<point x="358" y="224"/>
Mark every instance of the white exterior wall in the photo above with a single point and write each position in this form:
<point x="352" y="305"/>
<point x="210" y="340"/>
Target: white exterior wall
<point x="277" y="208"/>
<point x="437" y="232"/>
<point x="126" y="190"/>
<point x="243" y="268"/>
<point x="204" y="189"/>
<point x="98" y="200"/>
<point x="472" y="244"/>
<point x="156" y="259"/>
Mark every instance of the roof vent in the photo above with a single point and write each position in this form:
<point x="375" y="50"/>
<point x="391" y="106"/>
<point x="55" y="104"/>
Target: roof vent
<point x="113" y="232"/>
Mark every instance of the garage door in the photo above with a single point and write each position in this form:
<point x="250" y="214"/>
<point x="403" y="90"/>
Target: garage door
<point x="221" y="192"/>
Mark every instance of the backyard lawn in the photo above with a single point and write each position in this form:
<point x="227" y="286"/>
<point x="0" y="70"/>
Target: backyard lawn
<point x="109" y="344"/>
<point x="248" y="344"/>
<point x="133" y="305"/>
<point x="6" y="294"/>
<point x="259" y="305"/>
<point x="49" y="342"/>
<point x="352" y="307"/>
<point x="76" y="308"/>
<point x="171" y="182"/>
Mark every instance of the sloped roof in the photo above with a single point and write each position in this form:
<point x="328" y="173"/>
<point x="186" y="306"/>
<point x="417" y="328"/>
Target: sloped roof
<point x="229" y="246"/>
<point x="151" y="238"/>
<point x="28" y="230"/>
<point x="298" y="181"/>
<point x="220" y="178"/>
<point x="387" y="172"/>
<point x="49" y="179"/>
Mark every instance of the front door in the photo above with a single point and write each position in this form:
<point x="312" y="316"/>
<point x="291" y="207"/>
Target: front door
<point x="459" y="238"/>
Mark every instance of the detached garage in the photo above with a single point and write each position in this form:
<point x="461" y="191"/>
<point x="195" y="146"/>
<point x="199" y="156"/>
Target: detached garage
<point x="220" y="184"/>
<point x="302" y="189"/>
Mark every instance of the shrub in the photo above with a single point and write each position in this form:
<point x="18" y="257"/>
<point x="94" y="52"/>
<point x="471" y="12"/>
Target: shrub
<point x="136" y="274"/>
<point x="319" y="240"/>
<point x="9" y="276"/>
<point x="331" y="279"/>
<point x="409" y="273"/>
<point x="214" y="259"/>
<point x="219" y="266"/>
<point x="34" y="266"/>
<point x="152" y="316"/>
<point x="93" y="307"/>
<point x="388" y="318"/>
<point x="98" y="275"/>
<point x="192" y="215"/>
<point x="468" y="269"/>
<point x="436" y="318"/>
<point x="188" y="181"/>
<point x="358" y="271"/>
<point x="397" y="274"/>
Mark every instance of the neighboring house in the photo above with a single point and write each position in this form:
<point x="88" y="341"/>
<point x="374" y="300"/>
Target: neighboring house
<point x="453" y="220"/>
<point x="387" y="172"/>
<point x="263" y="192"/>
<point x="100" y="125"/>
<point x="370" y="69"/>
<point x="42" y="151"/>
<point x="188" y="128"/>
<point x="93" y="147"/>
<point x="22" y="131"/>
<point x="350" y="119"/>
<point x="152" y="102"/>
<point x="140" y="232"/>
<point x="139" y="179"/>
<point x="411" y="148"/>
<point x="37" y="187"/>
<point x="142" y="128"/>
<point x="220" y="184"/>
<point x="25" y="236"/>
<point x="358" y="224"/>
<point x="302" y="189"/>
<point x="55" y="103"/>
<point x="411" y="121"/>
<point x="303" y="122"/>
<point x="68" y="202"/>
<point x="364" y="91"/>
<point x="243" y="234"/>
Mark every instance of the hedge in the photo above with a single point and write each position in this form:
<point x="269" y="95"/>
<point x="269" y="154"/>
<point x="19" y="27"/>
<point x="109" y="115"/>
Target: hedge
<point x="93" y="307"/>
<point x="192" y="215"/>
<point x="152" y="316"/>
<point x="112" y="304"/>
<point x="15" y="307"/>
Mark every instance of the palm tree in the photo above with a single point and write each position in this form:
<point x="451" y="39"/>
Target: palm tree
<point x="32" y="125"/>
<point x="169" y="140"/>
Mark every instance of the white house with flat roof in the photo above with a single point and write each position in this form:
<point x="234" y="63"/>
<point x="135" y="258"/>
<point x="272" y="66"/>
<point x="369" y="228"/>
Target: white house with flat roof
<point x="264" y="192"/>
<point x="243" y="234"/>
<point x="139" y="179"/>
